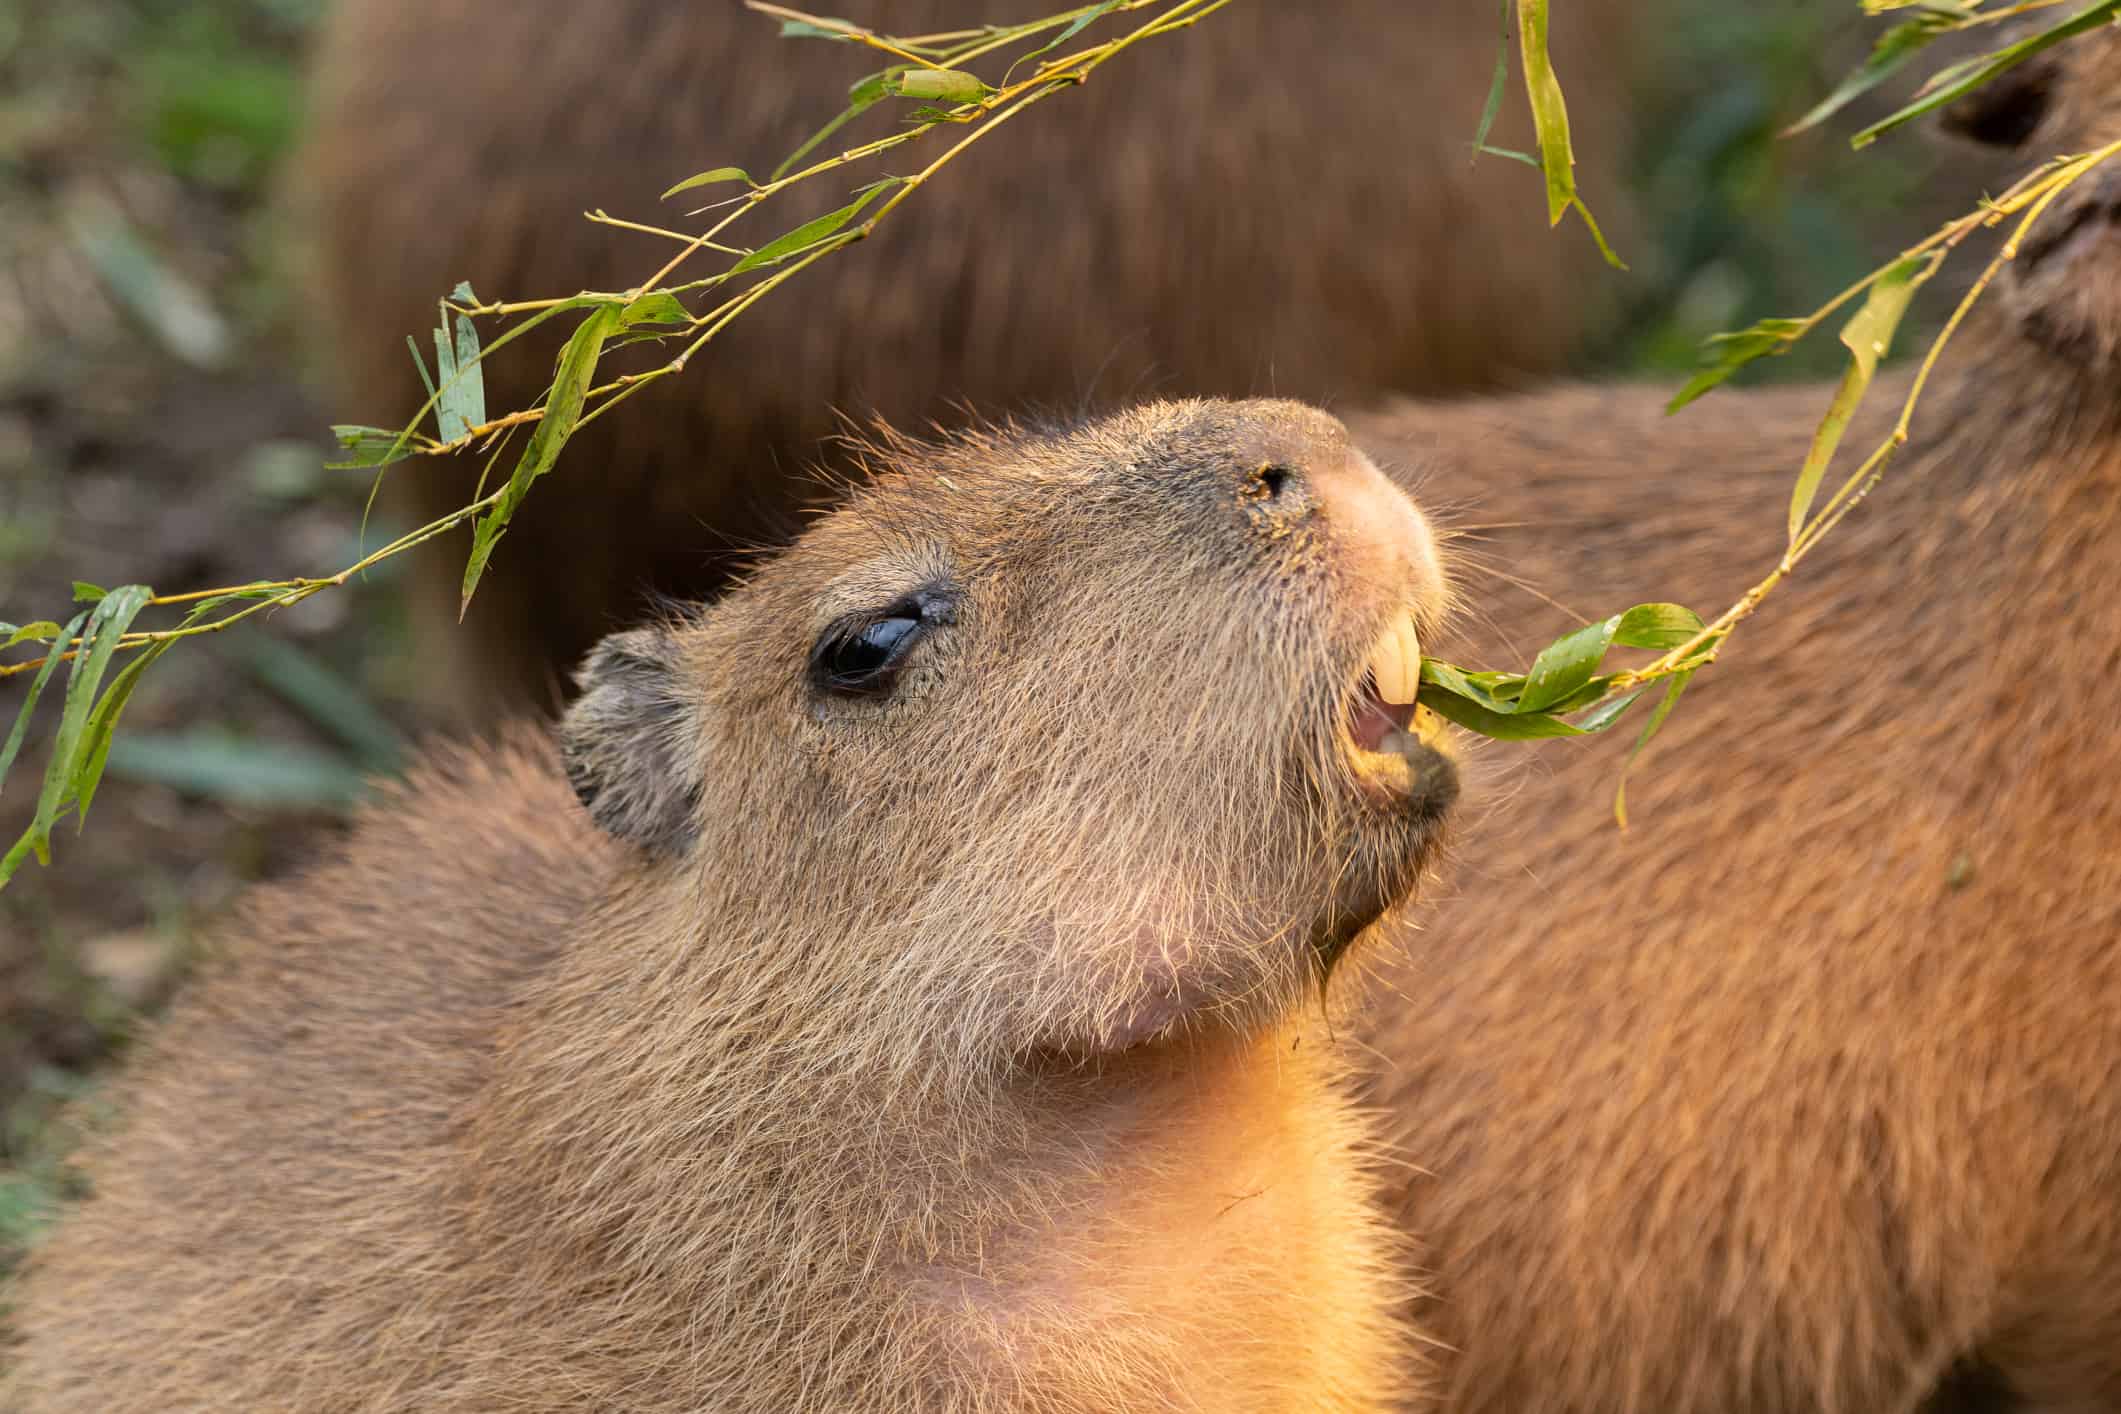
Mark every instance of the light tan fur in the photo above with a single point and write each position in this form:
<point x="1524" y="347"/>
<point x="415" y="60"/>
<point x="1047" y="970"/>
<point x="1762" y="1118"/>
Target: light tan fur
<point x="1801" y="1095"/>
<point x="1279" y="201"/>
<point x="953" y="1048"/>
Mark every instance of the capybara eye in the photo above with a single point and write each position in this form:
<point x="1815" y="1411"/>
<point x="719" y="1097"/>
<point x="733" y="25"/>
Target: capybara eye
<point x="861" y="656"/>
<point x="1274" y="478"/>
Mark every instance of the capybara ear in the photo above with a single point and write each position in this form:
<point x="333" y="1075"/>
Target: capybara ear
<point x="630" y="742"/>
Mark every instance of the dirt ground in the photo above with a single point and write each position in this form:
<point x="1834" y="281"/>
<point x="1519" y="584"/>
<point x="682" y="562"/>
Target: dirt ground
<point x="157" y="426"/>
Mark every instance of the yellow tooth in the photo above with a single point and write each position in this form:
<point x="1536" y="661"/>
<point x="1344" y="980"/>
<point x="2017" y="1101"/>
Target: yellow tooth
<point x="1396" y="661"/>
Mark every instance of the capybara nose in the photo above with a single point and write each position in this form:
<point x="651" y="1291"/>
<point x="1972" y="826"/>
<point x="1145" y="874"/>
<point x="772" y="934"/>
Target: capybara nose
<point x="1385" y="536"/>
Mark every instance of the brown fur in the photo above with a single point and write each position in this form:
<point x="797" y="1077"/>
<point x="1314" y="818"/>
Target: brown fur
<point x="1280" y="201"/>
<point x="951" y="1049"/>
<point x="1802" y="1093"/>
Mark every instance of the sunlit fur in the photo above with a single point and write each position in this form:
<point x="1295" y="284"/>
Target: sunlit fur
<point x="1807" y="1089"/>
<point x="1277" y="201"/>
<point x="814" y="1103"/>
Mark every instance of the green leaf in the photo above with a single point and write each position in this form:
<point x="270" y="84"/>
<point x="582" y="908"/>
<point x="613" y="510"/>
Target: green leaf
<point x="866" y="93"/>
<point x="421" y="365"/>
<point x="1657" y="626"/>
<point x="563" y="409"/>
<point x="1566" y="664"/>
<point x="1075" y="27"/>
<point x="1649" y="729"/>
<point x="1606" y="713"/>
<point x="86" y="593"/>
<point x="369" y="446"/>
<point x="655" y="307"/>
<point x="1550" y="115"/>
<point x="714" y="177"/>
<point x="1500" y="82"/>
<point x="462" y="294"/>
<point x="460" y="402"/>
<point x="63" y="770"/>
<point x="803" y="29"/>
<point x="42" y="631"/>
<point x="940" y="85"/>
<point x="29" y="703"/>
<point x="1502" y="726"/>
<point x="1962" y="79"/>
<point x="1867" y="336"/>
<point x="1887" y="57"/>
<point x="104" y="721"/>
<point x="1734" y="351"/>
<point x="811" y="233"/>
<point x="1510" y="152"/>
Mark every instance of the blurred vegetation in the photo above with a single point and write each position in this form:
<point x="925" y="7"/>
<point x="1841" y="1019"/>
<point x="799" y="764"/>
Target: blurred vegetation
<point x="1747" y="224"/>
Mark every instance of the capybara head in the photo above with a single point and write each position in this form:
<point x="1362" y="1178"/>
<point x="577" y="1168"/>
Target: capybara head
<point x="2065" y="285"/>
<point x="1084" y="736"/>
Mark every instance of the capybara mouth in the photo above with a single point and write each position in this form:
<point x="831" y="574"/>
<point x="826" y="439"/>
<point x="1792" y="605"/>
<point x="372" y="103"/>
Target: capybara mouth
<point x="1396" y="746"/>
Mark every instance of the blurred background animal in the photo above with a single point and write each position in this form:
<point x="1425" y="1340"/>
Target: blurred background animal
<point x="1800" y="1095"/>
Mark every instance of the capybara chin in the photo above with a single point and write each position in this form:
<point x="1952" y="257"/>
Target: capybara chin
<point x="1802" y="1095"/>
<point x="898" y="990"/>
<point x="1279" y="201"/>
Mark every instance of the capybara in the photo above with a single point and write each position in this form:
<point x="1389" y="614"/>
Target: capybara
<point x="899" y="989"/>
<point x="1805" y="1093"/>
<point x="1282" y="200"/>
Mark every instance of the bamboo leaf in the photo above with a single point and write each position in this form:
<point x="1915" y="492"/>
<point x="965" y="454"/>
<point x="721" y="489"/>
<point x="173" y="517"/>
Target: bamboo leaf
<point x="63" y="770"/>
<point x="655" y="307"/>
<point x="1566" y="664"/>
<point x="1550" y="115"/>
<point x="1657" y="626"/>
<point x="104" y="721"/>
<point x="1501" y="81"/>
<point x="940" y="85"/>
<point x="866" y="93"/>
<point x="42" y="631"/>
<point x="369" y="446"/>
<point x="1867" y="336"/>
<point x="1501" y="726"/>
<point x="714" y="177"/>
<point x="563" y="409"/>
<point x="1076" y="26"/>
<point x="1734" y="351"/>
<point x="460" y="402"/>
<point x="811" y="233"/>
<point x="1649" y="729"/>
<point x="29" y="703"/>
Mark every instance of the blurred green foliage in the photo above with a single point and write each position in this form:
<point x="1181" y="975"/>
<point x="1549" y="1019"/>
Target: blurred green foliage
<point x="1744" y="223"/>
<point x="213" y="89"/>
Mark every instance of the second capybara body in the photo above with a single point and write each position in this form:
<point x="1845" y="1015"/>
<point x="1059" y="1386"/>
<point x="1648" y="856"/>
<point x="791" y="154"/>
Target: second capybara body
<point x="1800" y="1097"/>
<point x="899" y="991"/>
<point x="1282" y="200"/>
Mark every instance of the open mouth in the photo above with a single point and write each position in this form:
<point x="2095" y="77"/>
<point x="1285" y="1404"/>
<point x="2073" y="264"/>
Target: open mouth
<point x="1397" y="745"/>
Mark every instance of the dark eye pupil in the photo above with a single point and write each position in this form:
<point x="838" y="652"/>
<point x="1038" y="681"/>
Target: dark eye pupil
<point x="856" y="662"/>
